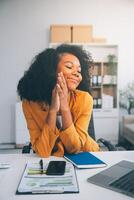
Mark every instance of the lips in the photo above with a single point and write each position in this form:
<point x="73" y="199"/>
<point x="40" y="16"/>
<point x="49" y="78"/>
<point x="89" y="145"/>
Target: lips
<point x="73" y="80"/>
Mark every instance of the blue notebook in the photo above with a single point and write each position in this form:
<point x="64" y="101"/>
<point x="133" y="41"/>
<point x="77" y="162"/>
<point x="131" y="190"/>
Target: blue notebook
<point x="85" y="160"/>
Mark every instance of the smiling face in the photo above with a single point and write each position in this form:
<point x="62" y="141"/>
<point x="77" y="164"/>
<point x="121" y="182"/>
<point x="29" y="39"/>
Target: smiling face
<point x="69" y="65"/>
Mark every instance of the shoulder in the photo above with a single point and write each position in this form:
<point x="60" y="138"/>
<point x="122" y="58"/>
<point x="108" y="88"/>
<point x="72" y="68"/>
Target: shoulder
<point x="82" y="95"/>
<point x="83" y="101"/>
<point x="26" y="104"/>
<point x="31" y="105"/>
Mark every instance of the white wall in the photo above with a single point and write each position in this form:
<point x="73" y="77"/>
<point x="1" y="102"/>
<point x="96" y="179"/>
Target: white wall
<point x="24" y="31"/>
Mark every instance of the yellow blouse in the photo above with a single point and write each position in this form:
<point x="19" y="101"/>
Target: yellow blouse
<point x="75" y="138"/>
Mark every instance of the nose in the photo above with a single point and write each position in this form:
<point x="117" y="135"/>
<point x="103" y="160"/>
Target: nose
<point x="76" y="74"/>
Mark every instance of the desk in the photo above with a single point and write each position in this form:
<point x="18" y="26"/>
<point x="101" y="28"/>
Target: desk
<point x="9" y="178"/>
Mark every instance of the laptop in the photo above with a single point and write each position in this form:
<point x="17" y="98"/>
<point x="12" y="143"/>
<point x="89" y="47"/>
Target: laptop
<point x="119" y="177"/>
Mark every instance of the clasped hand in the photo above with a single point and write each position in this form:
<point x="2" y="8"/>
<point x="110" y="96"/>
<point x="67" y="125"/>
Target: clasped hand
<point x="60" y="95"/>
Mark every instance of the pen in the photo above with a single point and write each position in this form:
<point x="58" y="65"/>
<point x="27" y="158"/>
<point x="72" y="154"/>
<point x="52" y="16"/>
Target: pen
<point x="41" y="166"/>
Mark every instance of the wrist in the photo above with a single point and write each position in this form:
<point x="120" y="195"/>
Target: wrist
<point x="53" y="110"/>
<point x="65" y="109"/>
<point x="64" y="106"/>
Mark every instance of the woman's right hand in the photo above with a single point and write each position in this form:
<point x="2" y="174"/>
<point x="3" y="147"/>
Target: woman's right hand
<point x="55" y="101"/>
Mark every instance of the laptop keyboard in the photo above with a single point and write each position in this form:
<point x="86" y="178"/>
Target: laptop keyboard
<point x="125" y="183"/>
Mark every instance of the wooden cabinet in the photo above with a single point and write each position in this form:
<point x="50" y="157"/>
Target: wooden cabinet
<point x="104" y="85"/>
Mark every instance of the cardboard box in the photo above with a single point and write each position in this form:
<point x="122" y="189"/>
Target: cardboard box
<point x="60" y="33"/>
<point x="99" y="40"/>
<point x="82" y="33"/>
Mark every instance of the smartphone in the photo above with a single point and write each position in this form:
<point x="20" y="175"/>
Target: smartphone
<point x="56" y="168"/>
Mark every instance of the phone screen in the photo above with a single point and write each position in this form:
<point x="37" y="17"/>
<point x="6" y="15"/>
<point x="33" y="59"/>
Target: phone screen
<point x="56" y="168"/>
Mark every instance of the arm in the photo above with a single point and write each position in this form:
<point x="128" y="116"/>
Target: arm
<point x="42" y="138"/>
<point x="54" y="108"/>
<point x="74" y="135"/>
<point x="63" y="98"/>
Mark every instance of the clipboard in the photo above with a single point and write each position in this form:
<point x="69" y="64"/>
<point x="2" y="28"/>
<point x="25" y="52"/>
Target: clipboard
<point x="34" y="182"/>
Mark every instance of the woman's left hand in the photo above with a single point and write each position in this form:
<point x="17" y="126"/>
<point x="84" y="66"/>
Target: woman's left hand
<point x="63" y="92"/>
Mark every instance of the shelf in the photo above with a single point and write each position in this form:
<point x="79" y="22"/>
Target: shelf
<point x="108" y="45"/>
<point x="96" y="87"/>
<point x="104" y="113"/>
<point x="109" y="84"/>
<point x="104" y="75"/>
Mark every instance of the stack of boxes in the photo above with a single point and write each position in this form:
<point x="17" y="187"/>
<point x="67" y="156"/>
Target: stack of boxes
<point x="73" y="34"/>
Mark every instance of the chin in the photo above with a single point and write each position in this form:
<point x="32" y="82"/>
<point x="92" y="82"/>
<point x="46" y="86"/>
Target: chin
<point x="72" y="88"/>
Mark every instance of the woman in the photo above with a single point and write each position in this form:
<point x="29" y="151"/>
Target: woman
<point x="58" y="114"/>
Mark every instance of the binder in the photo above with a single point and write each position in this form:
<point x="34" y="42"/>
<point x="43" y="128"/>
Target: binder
<point x="33" y="181"/>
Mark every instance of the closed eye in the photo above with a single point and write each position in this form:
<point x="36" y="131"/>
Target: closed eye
<point x="69" y="67"/>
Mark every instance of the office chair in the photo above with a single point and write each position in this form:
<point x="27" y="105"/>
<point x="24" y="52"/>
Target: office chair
<point x="91" y="130"/>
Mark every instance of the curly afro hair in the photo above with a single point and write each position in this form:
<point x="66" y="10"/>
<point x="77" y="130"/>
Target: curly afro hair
<point x="39" y="80"/>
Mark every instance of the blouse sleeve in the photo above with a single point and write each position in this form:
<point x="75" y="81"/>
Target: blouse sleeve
<point x="76" y="136"/>
<point x="43" y="140"/>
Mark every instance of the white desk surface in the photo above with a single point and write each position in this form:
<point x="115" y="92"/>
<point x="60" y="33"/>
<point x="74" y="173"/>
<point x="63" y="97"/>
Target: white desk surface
<point x="9" y="179"/>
